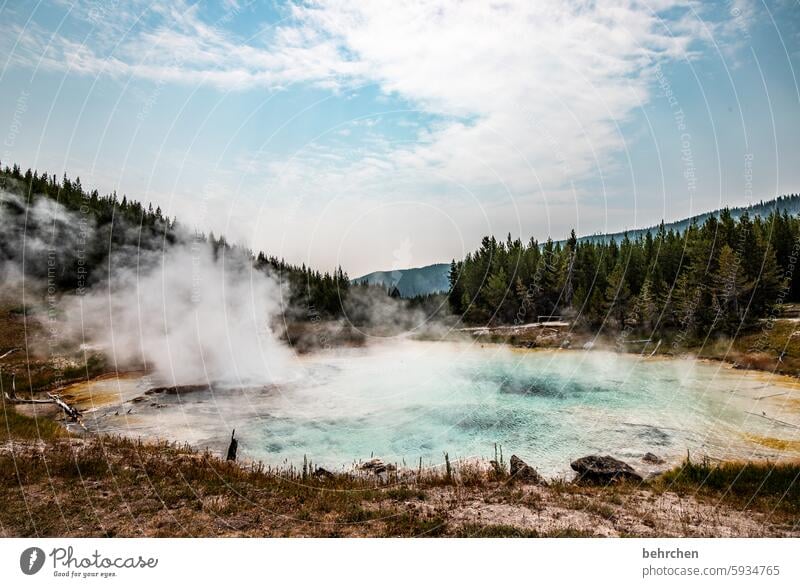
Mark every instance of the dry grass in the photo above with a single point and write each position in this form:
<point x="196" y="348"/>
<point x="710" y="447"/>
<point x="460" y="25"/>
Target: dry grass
<point x="67" y="486"/>
<point x="15" y="426"/>
<point x="773" y="488"/>
<point x="769" y="346"/>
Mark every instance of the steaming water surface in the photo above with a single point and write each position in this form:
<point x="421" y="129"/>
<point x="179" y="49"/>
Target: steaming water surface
<point x="405" y="400"/>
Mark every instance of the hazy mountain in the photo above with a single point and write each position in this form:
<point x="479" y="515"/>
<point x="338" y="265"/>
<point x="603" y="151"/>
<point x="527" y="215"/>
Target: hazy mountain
<point x="411" y="282"/>
<point x="433" y="278"/>
<point x="789" y="204"/>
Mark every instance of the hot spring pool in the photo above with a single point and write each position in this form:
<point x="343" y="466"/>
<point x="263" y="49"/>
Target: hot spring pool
<point x="407" y="400"/>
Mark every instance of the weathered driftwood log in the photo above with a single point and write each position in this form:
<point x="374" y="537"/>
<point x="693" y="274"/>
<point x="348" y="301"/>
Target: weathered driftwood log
<point x="54" y="399"/>
<point x="18" y="400"/>
<point x="7" y="353"/>
<point x="233" y="447"/>
<point x="71" y="412"/>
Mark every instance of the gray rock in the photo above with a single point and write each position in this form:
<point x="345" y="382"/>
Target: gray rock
<point x="324" y="473"/>
<point x="377" y="466"/>
<point x="521" y="471"/>
<point x="597" y="469"/>
<point x="652" y="459"/>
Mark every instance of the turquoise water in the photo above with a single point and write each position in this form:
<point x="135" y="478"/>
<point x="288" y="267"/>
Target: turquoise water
<point x="408" y="400"/>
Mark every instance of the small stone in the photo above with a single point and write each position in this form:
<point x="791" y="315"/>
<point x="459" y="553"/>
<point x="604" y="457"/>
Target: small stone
<point x="323" y="473"/>
<point x="521" y="471"/>
<point x="652" y="459"/>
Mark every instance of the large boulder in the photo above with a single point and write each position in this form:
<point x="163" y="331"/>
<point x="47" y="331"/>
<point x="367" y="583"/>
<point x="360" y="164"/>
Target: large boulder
<point x="597" y="469"/>
<point x="652" y="459"/>
<point x="521" y="471"/>
<point x="324" y="473"/>
<point x="376" y="466"/>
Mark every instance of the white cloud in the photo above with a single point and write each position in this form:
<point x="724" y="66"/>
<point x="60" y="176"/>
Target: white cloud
<point x="527" y="96"/>
<point x="514" y="75"/>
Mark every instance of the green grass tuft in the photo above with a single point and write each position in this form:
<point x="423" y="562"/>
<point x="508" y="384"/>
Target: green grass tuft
<point x="17" y="426"/>
<point x="767" y="486"/>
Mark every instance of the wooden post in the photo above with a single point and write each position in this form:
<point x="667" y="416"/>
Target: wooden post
<point x="232" y="447"/>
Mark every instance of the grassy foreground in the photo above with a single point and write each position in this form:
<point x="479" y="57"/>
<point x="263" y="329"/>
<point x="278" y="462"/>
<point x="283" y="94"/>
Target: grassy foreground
<point x="52" y="484"/>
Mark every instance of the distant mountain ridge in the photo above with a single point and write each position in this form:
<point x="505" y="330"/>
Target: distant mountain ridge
<point x="411" y="282"/>
<point x="789" y="203"/>
<point x="434" y="278"/>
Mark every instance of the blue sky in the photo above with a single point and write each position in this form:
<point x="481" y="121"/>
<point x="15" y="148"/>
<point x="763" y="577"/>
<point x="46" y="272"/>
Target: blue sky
<point x="385" y="135"/>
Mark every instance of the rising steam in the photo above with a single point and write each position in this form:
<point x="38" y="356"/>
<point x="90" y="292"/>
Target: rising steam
<point x="186" y="311"/>
<point x="190" y="318"/>
<point x="182" y="310"/>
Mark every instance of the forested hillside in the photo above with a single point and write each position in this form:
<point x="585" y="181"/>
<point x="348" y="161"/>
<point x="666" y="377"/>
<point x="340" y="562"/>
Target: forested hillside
<point x="435" y="278"/>
<point x="716" y="276"/>
<point x="720" y="274"/>
<point x="71" y="238"/>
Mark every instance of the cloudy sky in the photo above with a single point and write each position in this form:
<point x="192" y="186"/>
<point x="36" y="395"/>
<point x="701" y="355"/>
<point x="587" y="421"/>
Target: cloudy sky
<point x="381" y="135"/>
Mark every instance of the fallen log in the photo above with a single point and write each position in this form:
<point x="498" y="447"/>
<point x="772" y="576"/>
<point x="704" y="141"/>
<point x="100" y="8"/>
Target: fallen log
<point x="68" y="410"/>
<point x="72" y="413"/>
<point x="7" y="353"/>
<point x="19" y="400"/>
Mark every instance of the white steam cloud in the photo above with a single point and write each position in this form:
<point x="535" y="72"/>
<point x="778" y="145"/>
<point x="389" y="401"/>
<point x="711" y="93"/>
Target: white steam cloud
<point x="190" y="318"/>
<point x="183" y="312"/>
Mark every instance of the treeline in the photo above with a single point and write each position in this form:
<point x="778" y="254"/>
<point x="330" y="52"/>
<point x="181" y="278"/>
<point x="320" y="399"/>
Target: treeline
<point x="719" y="276"/>
<point x="71" y="237"/>
<point x="788" y="203"/>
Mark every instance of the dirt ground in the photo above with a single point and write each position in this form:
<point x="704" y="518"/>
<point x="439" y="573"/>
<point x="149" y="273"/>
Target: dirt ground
<point x="118" y="487"/>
